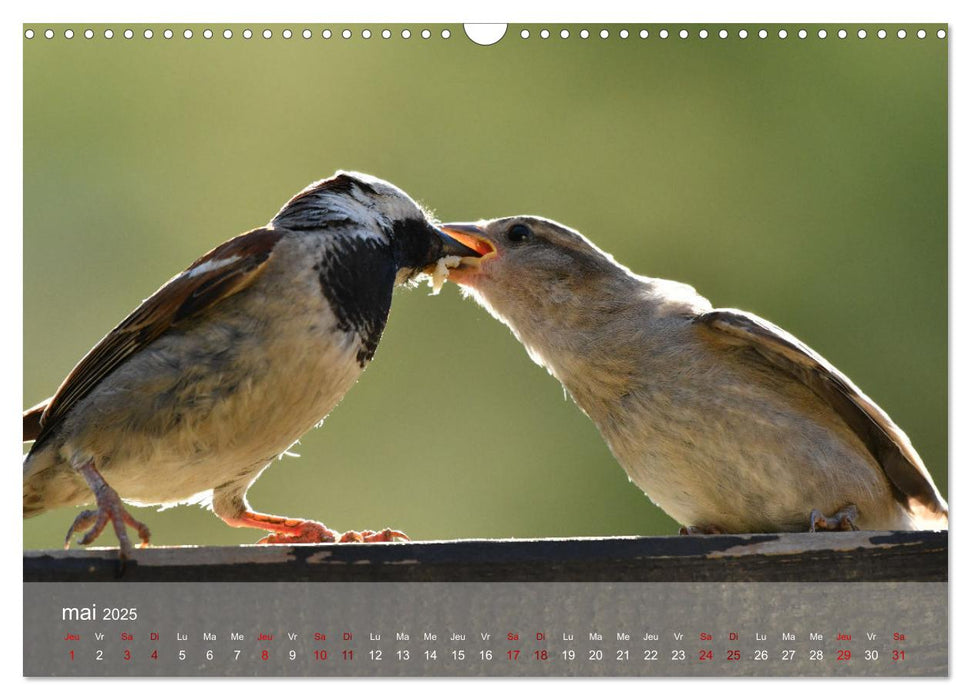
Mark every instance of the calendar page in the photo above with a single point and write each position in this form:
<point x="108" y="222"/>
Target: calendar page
<point x="538" y="350"/>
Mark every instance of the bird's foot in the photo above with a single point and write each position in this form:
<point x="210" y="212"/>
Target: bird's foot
<point x="700" y="530"/>
<point x="291" y="531"/>
<point x="110" y="509"/>
<point x="385" y="535"/>
<point x="843" y="519"/>
<point x="315" y="532"/>
<point x="295" y="531"/>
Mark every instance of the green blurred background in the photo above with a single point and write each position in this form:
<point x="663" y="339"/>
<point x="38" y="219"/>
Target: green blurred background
<point x="803" y="180"/>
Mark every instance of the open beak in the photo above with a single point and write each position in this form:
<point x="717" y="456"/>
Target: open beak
<point x="470" y="236"/>
<point x="464" y="247"/>
<point x="455" y="245"/>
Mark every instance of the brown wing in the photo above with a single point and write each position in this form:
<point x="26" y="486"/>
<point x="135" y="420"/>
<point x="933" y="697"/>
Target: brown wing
<point x="220" y="273"/>
<point x="914" y="487"/>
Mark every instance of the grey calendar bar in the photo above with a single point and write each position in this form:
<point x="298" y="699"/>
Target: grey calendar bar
<point x="485" y="629"/>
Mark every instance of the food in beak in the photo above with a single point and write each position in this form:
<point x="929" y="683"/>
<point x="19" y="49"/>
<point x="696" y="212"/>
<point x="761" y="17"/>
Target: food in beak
<point x="439" y="273"/>
<point x="437" y="277"/>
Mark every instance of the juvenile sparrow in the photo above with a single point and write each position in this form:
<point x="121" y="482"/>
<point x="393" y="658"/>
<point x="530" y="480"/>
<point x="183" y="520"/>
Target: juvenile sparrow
<point x="230" y="362"/>
<point x="727" y="422"/>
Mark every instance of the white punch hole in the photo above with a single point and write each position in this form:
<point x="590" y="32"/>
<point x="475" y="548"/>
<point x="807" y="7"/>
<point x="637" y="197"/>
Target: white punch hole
<point x="485" y="34"/>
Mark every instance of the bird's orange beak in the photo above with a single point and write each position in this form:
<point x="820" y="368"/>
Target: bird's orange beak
<point x="471" y="236"/>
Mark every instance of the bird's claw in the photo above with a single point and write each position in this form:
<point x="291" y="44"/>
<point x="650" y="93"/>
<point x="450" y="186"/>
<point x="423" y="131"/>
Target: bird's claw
<point x="302" y="531"/>
<point x="110" y="509"/>
<point x="700" y="530"/>
<point x="843" y="519"/>
<point x="97" y="520"/>
<point x="385" y="535"/>
<point x="310" y="531"/>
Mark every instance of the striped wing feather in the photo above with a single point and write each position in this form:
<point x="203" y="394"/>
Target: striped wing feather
<point x="217" y="275"/>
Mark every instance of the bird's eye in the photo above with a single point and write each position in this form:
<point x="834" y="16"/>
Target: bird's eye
<point x="519" y="233"/>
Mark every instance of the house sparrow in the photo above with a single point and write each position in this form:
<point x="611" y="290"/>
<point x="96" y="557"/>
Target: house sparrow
<point x="727" y="422"/>
<point x="230" y="362"/>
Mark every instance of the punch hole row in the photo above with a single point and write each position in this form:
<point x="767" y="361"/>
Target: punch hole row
<point x="244" y="34"/>
<point x="726" y="33"/>
<point x="446" y="34"/>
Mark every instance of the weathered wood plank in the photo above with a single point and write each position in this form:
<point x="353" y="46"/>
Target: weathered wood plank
<point x="832" y="556"/>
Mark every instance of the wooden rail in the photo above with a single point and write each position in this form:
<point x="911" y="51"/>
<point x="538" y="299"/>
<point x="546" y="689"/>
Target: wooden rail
<point x="831" y="556"/>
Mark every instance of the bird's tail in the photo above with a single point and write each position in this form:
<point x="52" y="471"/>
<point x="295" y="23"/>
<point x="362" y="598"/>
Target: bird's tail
<point x="39" y="470"/>
<point x="50" y="482"/>
<point x="35" y="463"/>
<point x="32" y="418"/>
<point x="33" y="504"/>
<point x="923" y="518"/>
